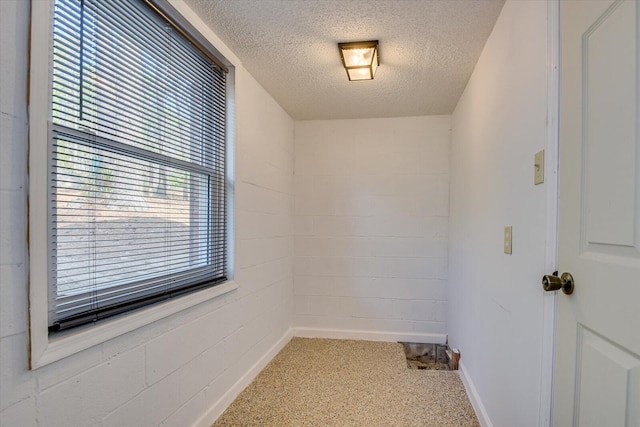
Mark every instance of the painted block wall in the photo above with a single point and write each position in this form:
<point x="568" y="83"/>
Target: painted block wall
<point x="498" y="126"/>
<point x="371" y="227"/>
<point x="172" y="371"/>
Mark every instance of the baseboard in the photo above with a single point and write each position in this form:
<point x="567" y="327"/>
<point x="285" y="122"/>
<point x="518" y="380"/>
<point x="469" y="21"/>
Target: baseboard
<point x="221" y="405"/>
<point x="474" y="397"/>
<point x="346" y="334"/>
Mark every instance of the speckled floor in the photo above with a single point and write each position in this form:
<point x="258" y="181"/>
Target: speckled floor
<point x="321" y="382"/>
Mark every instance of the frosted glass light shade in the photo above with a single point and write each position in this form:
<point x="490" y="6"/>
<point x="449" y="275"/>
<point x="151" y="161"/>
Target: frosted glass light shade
<point x="360" y="59"/>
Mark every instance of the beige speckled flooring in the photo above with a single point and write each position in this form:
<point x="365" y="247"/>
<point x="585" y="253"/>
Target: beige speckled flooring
<point x="322" y="382"/>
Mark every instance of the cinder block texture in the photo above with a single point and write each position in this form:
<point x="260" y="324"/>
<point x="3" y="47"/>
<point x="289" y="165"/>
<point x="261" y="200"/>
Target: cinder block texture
<point x="174" y="370"/>
<point x="371" y="224"/>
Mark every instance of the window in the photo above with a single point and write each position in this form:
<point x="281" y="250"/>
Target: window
<point x="136" y="174"/>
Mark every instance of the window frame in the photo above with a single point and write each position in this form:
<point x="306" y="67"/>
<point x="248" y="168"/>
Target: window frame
<point x="46" y="348"/>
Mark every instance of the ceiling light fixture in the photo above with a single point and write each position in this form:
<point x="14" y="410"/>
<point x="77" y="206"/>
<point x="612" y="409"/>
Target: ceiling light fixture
<point x="360" y="59"/>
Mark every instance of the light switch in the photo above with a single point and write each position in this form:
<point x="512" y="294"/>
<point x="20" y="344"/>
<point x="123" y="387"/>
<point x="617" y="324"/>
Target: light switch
<point x="508" y="239"/>
<point x="538" y="168"/>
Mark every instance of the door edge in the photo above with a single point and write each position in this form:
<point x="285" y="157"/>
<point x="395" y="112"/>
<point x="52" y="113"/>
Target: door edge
<point x="552" y="213"/>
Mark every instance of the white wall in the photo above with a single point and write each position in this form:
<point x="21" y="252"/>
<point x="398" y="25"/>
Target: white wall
<point x="172" y="371"/>
<point x="371" y="231"/>
<point x="371" y="216"/>
<point x="496" y="300"/>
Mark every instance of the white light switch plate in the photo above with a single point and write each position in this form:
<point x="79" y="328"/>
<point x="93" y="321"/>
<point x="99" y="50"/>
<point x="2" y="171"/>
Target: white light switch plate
<point x="538" y="168"/>
<point x="508" y="239"/>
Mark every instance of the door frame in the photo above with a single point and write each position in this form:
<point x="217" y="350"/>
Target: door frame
<point x="552" y="213"/>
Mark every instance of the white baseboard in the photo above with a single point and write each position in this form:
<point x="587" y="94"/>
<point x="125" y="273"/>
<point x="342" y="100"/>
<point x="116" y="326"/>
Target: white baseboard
<point x="346" y="334"/>
<point x="221" y="405"/>
<point x="474" y="397"/>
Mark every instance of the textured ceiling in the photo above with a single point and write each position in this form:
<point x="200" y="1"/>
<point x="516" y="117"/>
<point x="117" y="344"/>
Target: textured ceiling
<point x="428" y="49"/>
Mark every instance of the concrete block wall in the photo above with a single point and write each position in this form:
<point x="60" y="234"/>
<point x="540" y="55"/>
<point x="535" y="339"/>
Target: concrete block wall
<point x="499" y="124"/>
<point x="371" y="226"/>
<point x="172" y="371"/>
<point x="371" y="230"/>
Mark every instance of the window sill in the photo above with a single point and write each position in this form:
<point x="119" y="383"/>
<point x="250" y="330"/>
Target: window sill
<point x="65" y="344"/>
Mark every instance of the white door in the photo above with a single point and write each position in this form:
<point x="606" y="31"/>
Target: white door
<point x="597" y="369"/>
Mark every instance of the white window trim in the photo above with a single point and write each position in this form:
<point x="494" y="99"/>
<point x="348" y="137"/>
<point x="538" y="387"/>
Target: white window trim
<point x="44" y="349"/>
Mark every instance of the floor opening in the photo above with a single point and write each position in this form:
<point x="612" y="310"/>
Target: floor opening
<point x="426" y="356"/>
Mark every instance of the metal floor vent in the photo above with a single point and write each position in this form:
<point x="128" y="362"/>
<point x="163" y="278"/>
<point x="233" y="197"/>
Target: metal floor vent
<point x="426" y="356"/>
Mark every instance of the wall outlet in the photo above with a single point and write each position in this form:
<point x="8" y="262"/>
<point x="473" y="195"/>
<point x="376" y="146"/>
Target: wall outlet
<point x="538" y="168"/>
<point x="508" y="239"/>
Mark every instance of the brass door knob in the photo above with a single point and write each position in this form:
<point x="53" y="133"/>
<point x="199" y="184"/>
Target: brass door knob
<point x="552" y="283"/>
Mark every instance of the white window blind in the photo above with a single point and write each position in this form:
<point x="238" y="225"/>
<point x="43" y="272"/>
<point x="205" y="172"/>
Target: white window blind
<point x="137" y="162"/>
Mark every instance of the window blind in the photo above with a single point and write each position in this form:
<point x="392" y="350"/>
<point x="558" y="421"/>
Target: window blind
<point x="137" y="162"/>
